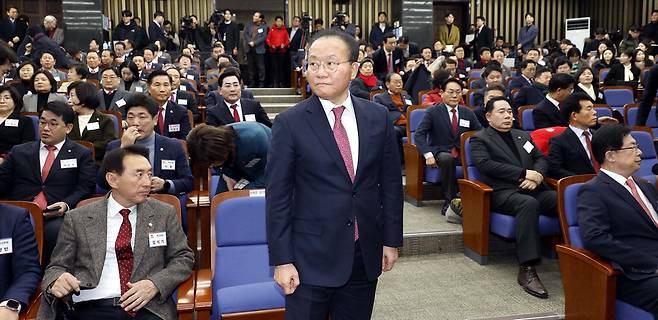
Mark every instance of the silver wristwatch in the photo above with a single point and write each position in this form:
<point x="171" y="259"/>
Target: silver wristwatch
<point x="12" y="305"/>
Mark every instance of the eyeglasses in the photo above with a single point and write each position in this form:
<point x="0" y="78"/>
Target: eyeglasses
<point x="330" y="66"/>
<point x="452" y="93"/>
<point x="632" y="147"/>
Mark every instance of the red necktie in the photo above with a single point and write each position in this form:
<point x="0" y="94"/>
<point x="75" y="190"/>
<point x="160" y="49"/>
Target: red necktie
<point x="236" y="115"/>
<point x="40" y="199"/>
<point x="588" y="141"/>
<point x="389" y="62"/>
<point x="637" y="197"/>
<point x="161" y="120"/>
<point x="124" y="252"/>
<point x="455" y="130"/>
<point x="343" y="142"/>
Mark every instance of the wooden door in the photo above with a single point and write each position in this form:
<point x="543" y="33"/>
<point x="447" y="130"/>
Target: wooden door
<point x="35" y="9"/>
<point x="458" y="9"/>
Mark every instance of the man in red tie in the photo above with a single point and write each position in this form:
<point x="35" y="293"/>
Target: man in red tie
<point x="123" y="255"/>
<point x="389" y="58"/>
<point x="618" y="220"/>
<point x="172" y="119"/>
<point x="232" y="108"/>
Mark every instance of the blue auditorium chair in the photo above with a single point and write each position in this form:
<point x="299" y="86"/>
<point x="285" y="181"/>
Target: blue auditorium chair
<point x="526" y="121"/>
<point x="630" y="115"/>
<point x="589" y="282"/>
<point x="644" y="140"/>
<point x="618" y="96"/>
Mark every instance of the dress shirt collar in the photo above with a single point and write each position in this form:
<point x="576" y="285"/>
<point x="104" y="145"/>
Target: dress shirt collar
<point x="579" y="132"/>
<point x="553" y="101"/>
<point x="113" y="207"/>
<point x="616" y="176"/>
<point x="328" y="105"/>
<point x="58" y="145"/>
<point x="230" y="104"/>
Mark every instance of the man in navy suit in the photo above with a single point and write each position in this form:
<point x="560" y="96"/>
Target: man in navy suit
<point x="618" y="220"/>
<point x="156" y="32"/>
<point x="183" y="98"/>
<point x="535" y="93"/>
<point x="232" y="108"/>
<point x="528" y="69"/>
<point x="20" y="272"/>
<point x="379" y="30"/>
<point x="438" y="136"/>
<point x="172" y="120"/>
<point x="547" y="112"/>
<point x="396" y="101"/>
<point x="171" y="171"/>
<point x="388" y="58"/>
<point x="334" y="192"/>
<point x="54" y="172"/>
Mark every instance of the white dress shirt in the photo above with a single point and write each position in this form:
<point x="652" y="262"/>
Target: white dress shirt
<point x="553" y="101"/>
<point x="83" y="120"/>
<point x="621" y="180"/>
<point x="628" y="74"/>
<point x="348" y="119"/>
<point x="590" y="91"/>
<point x="109" y="285"/>
<point x="43" y="153"/>
<point x="239" y="108"/>
<point x="581" y="137"/>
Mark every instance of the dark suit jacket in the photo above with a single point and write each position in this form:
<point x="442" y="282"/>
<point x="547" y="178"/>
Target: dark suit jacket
<point x="616" y="76"/>
<point x="156" y="33"/>
<point x="567" y="157"/>
<point x="615" y="227"/>
<point x="434" y="133"/>
<point x="547" y="115"/>
<point x="14" y="135"/>
<point x="310" y="212"/>
<point x="119" y="94"/>
<point x="168" y="149"/>
<point x="99" y="137"/>
<point x="296" y="41"/>
<point x="213" y="96"/>
<point x="529" y="95"/>
<point x="376" y="36"/>
<point x="518" y="82"/>
<point x="358" y="88"/>
<point x="20" y="271"/>
<point x="498" y="166"/>
<point x="393" y="112"/>
<point x="483" y="39"/>
<point x="176" y="123"/>
<point x="220" y="114"/>
<point x="251" y="148"/>
<point x="229" y="35"/>
<point x="188" y="100"/>
<point x="597" y="93"/>
<point x="381" y="66"/>
<point x="20" y="174"/>
<point x="8" y="30"/>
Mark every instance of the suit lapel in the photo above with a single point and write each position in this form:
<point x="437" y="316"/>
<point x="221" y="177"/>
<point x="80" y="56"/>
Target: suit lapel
<point x="224" y="112"/>
<point x="363" y="123"/>
<point x="575" y="143"/>
<point x="443" y="113"/>
<point x="144" y="217"/>
<point x="158" y="149"/>
<point x="96" y="233"/>
<point x="649" y="194"/>
<point x="502" y="145"/>
<point x="624" y="194"/>
<point x="519" y="142"/>
<point x="36" y="161"/>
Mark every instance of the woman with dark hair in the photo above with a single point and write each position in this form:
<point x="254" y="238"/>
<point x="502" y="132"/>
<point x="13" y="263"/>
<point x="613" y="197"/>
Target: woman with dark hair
<point x="607" y="60"/>
<point x="25" y="71"/>
<point x="90" y="125"/>
<point x="239" y="149"/>
<point x="365" y="80"/>
<point x="624" y="73"/>
<point x="77" y="72"/>
<point x="642" y="60"/>
<point x="130" y="78"/>
<point x="577" y="62"/>
<point x="43" y="87"/>
<point x="14" y="127"/>
<point x="588" y="84"/>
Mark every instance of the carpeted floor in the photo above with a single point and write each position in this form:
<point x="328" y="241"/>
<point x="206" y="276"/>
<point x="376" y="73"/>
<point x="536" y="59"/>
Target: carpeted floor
<point x="427" y="218"/>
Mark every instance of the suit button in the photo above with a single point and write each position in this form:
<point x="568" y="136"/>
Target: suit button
<point x="349" y="223"/>
<point x="353" y="194"/>
<point x="88" y="284"/>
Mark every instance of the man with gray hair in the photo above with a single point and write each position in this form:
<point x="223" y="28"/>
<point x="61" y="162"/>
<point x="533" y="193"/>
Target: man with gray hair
<point x="51" y="30"/>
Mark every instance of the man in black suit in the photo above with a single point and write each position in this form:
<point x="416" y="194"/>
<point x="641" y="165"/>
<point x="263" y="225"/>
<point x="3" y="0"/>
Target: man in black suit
<point x="618" y="220"/>
<point x="388" y="58"/>
<point x="298" y="40"/>
<point x="483" y="36"/>
<point x="571" y="151"/>
<point x="535" y="93"/>
<point x="183" y="98"/>
<point x="528" y="69"/>
<point x="232" y="108"/>
<point x="409" y="49"/>
<point x="379" y="30"/>
<point x="492" y="75"/>
<point x="12" y="28"/>
<point x="229" y="34"/>
<point x="55" y="172"/>
<point x="513" y="166"/>
<point x="547" y="112"/>
<point x="172" y="119"/>
<point x="437" y="136"/>
<point x="93" y="60"/>
<point x="156" y="32"/>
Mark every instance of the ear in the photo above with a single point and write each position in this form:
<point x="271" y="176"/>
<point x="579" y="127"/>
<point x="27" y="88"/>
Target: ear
<point x="355" y="70"/>
<point x="112" y="179"/>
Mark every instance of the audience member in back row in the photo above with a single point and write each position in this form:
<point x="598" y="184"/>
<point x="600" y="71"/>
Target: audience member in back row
<point x="172" y="119"/>
<point x="130" y="78"/>
<point x="513" y="166"/>
<point x="111" y="96"/>
<point x="397" y="102"/>
<point x="182" y="97"/>
<point x="231" y="107"/>
<point x="618" y="220"/>
<point x="648" y="97"/>
<point x="388" y="58"/>
<point x="495" y="90"/>
<point x="55" y="172"/>
<point x="239" y="149"/>
<point x="25" y="71"/>
<point x="492" y="75"/>
<point x="623" y="73"/>
<point x="536" y="92"/>
<point x="43" y="88"/>
<point x="547" y="112"/>
<point x="365" y="80"/>
<point x="14" y="127"/>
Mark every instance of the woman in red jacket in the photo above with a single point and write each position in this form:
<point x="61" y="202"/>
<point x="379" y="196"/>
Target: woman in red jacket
<point x="278" y="42"/>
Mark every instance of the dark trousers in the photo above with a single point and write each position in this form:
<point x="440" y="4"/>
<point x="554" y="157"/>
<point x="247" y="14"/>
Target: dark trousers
<point x="354" y="300"/>
<point x="640" y="293"/>
<point x="256" y="68"/>
<point x="526" y="207"/>
<point x="109" y="313"/>
<point x="50" y="231"/>
<point x="279" y="73"/>
<point x="400" y="132"/>
<point x="448" y="166"/>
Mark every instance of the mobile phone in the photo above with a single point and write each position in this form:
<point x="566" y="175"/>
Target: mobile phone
<point x="46" y="210"/>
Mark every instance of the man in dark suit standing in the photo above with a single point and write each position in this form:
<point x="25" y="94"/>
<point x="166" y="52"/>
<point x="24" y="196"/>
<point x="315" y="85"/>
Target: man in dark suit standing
<point x="483" y="36"/>
<point x="20" y="271"/>
<point x="331" y="232"/>
<point x="438" y="136"/>
<point x="54" y="172"/>
<point x="229" y="34"/>
<point x="547" y="112"/>
<point x="571" y="151"/>
<point x="298" y="40"/>
<point x="618" y="220"/>
<point x="12" y="28"/>
<point x="232" y="108"/>
<point x="379" y="30"/>
<point x="409" y="49"/>
<point x="255" y="34"/>
<point x="172" y="119"/>
<point x="156" y="31"/>
<point x="388" y="58"/>
<point x="513" y="166"/>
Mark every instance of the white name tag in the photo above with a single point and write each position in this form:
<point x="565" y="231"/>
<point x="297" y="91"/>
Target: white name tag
<point x="168" y="165"/>
<point x="182" y="88"/>
<point x="157" y="239"/>
<point x="257" y="193"/>
<point x="397" y="61"/>
<point x="528" y="146"/>
<point x="57" y="79"/>
<point x="468" y="69"/>
<point x="93" y="126"/>
<point x="190" y="77"/>
<point x="68" y="163"/>
<point x="252" y="163"/>
<point x="600" y="95"/>
<point x="407" y="102"/>
<point x="174" y="127"/>
<point x="461" y="75"/>
<point x="6" y="246"/>
<point x="182" y="102"/>
<point x="11" y="123"/>
<point x="121" y="103"/>
<point x="139" y="89"/>
<point x="250" y="117"/>
<point x="260" y="30"/>
<point x="464" y="123"/>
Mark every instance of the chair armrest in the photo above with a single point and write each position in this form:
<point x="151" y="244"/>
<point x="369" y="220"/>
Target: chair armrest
<point x="552" y="182"/>
<point x="203" y="296"/>
<point x="474" y="185"/>
<point x="475" y="213"/>
<point x="185" y="302"/>
<point x="414" y="169"/>
<point x="31" y="311"/>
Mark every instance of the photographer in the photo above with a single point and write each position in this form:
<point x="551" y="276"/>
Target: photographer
<point x="191" y="34"/>
<point x="341" y="21"/>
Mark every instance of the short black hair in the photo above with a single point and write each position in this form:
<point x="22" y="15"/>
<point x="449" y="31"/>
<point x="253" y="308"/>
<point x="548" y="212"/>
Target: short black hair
<point x="403" y="39"/>
<point x="387" y="36"/>
<point x="573" y="52"/>
<point x="18" y="99"/>
<point x="113" y="161"/>
<point x="80" y="69"/>
<point x="278" y="18"/>
<point x="382" y="12"/>
<point x="51" y="79"/>
<point x="561" y="61"/>
<point x="142" y="100"/>
<point x="448" y="14"/>
<point x="120" y="43"/>
<point x="115" y="70"/>
<point x="560" y="81"/>
<point x="439" y="78"/>
<point x="86" y="93"/>
<point x="126" y="13"/>
<point x="491" y="68"/>
<point x="495" y="87"/>
<point x="158" y="14"/>
<point x="346" y="38"/>
<point x="572" y="104"/>
<point x="388" y="77"/>
<point x="158" y="73"/>
<point x="542" y="69"/>
<point x="599" y="31"/>
<point x="483" y="49"/>
<point x="452" y="80"/>
<point x="607" y="138"/>
<point x="534" y="49"/>
<point x="480" y="18"/>
<point x="524" y="64"/>
<point x="132" y="67"/>
<point x="428" y="47"/>
<point x="60" y="109"/>
<point x="498" y="49"/>
<point x="582" y="70"/>
<point x="229" y="72"/>
<point x="490" y="104"/>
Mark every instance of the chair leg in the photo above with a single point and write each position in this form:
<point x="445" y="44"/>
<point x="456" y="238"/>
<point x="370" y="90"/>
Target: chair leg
<point x="471" y="254"/>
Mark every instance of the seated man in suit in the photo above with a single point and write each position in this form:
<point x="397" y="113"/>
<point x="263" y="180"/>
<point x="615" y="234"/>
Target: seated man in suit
<point x="570" y="152"/>
<point x="513" y="166"/>
<point x="495" y="90"/>
<point x="528" y="69"/>
<point x="181" y="96"/>
<point x="93" y="60"/>
<point x="112" y="96"/>
<point x="492" y="75"/>
<point x="396" y="101"/>
<point x="214" y="95"/>
<point x="388" y="58"/>
<point x="20" y="271"/>
<point x="150" y="62"/>
<point x="437" y="137"/>
<point x="618" y="220"/>
<point x="232" y="108"/>
<point x="172" y="119"/>
<point x="547" y="112"/>
<point x="535" y="93"/>
<point x="171" y="170"/>
<point x="120" y="257"/>
<point x="54" y="172"/>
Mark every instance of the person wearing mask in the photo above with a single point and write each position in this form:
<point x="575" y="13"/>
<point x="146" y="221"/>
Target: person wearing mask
<point x="255" y="34"/>
<point x="547" y="112"/>
<point x="379" y="30"/>
<point x="449" y="33"/>
<point x="277" y="40"/>
<point x="14" y="127"/>
<point x="365" y="80"/>
<point x="43" y="87"/>
<point x="527" y="34"/>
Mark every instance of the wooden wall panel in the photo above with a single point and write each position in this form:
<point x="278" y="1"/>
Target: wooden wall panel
<point x="173" y="9"/>
<point x="613" y="14"/>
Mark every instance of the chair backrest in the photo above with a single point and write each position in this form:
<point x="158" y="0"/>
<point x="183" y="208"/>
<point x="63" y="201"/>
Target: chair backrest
<point x="644" y="141"/>
<point x="190" y="118"/>
<point x="373" y="93"/>
<point x="630" y="115"/>
<point x="567" y="195"/>
<point x="95" y="82"/>
<point x="475" y="73"/>
<point x="116" y="118"/>
<point x="414" y="116"/>
<point x="541" y="137"/>
<point x="470" y="171"/>
<point x="421" y="95"/>
<point x="603" y="110"/>
<point x="471" y="98"/>
<point x="238" y="229"/>
<point x="526" y="120"/>
<point x="35" y="122"/>
<point x="471" y="83"/>
<point x="37" y="220"/>
<point x="618" y="96"/>
<point x="88" y="145"/>
<point x="602" y="74"/>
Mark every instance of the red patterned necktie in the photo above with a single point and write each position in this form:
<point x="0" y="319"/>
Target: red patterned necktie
<point x="389" y="62"/>
<point x="124" y="252"/>
<point x="161" y="120"/>
<point x="637" y="197"/>
<point x="455" y="130"/>
<point x="40" y="199"/>
<point x="343" y="142"/>
<point x="236" y="115"/>
<point x="588" y="141"/>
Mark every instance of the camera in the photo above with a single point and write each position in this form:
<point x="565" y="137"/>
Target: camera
<point x="339" y="18"/>
<point x="186" y="22"/>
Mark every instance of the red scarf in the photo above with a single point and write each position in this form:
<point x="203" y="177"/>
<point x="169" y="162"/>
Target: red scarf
<point x="370" y="81"/>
